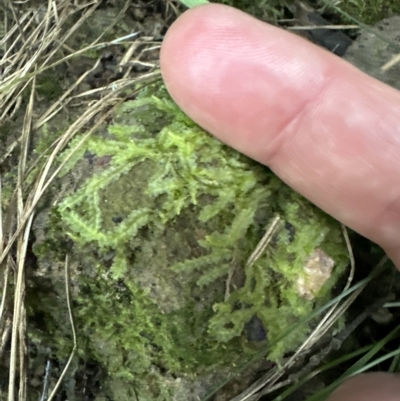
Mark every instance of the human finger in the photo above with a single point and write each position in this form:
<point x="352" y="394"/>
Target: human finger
<point x="369" y="387"/>
<point x="328" y="130"/>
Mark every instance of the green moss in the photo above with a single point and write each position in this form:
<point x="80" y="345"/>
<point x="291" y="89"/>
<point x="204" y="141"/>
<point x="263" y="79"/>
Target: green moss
<point x="167" y="215"/>
<point x="48" y="86"/>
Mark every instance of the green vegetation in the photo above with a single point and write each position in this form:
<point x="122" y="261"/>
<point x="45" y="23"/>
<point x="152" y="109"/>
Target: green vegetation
<point x="367" y="12"/>
<point x="48" y="86"/>
<point x="262" y="9"/>
<point x="193" y="3"/>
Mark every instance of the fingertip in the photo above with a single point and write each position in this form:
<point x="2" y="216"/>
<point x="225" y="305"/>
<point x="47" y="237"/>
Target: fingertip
<point x="234" y="74"/>
<point x="180" y="35"/>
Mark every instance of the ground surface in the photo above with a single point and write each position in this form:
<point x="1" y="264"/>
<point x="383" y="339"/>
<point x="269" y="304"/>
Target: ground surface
<point x="89" y="379"/>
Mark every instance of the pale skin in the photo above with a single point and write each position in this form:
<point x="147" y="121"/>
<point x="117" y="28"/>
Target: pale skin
<point x="329" y="131"/>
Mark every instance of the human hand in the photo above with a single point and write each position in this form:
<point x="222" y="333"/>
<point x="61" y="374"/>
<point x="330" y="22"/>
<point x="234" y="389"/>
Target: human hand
<point x="329" y="131"/>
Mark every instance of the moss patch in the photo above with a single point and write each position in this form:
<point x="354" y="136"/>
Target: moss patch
<point x="162" y="229"/>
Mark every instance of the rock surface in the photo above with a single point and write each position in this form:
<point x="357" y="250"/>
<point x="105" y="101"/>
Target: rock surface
<point x="375" y="47"/>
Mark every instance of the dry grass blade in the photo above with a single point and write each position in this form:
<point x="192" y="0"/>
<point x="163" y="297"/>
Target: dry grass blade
<point x="19" y="311"/>
<point x="4" y="296"/>
<point x="74" y="336"/>
<point x="391" y="63"/>
<point x="5" y="336"/>
<point x="6" y="270"/>
<point x="270" y="231"/>
<point x="264" y="242"/>
<point x="37" y="50"/>
<point x="19" y="321"/>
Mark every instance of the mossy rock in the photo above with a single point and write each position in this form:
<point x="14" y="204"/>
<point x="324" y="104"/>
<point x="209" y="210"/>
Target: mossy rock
<point x="163" y="220"/>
